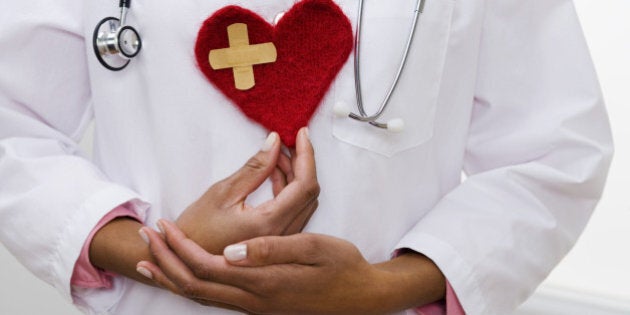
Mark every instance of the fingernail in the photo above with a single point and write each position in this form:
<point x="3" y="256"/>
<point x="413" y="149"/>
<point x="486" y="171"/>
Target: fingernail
<point x="160" y="226"/>
<point x="144" y="235"/>
<point x="145" y="272"/>
<point x="235" y="252"/>
<point x="271" y="140"/>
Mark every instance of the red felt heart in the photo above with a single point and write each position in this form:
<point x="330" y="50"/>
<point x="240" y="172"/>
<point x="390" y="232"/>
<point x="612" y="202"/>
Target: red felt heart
<point x="313" y="41"/>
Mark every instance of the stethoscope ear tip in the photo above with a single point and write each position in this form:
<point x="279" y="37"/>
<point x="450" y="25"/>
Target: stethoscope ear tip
<point x="342" y="110"/>
<point x="396" y="125"/>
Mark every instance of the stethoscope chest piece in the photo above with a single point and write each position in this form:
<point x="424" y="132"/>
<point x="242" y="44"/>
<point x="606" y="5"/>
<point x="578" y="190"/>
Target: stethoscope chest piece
<point x="115" y="43"/>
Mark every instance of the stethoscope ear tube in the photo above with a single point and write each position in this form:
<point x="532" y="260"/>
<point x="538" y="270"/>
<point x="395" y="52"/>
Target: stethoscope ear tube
<point x="396" y="124"/>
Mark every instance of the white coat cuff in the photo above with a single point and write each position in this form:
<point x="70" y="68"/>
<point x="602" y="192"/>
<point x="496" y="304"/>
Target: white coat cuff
<point x="458" y="272"/>
<point x="79" y="226"/>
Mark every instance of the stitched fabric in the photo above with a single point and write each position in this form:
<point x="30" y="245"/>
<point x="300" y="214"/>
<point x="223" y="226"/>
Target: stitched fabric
<point x="313" y="41"/>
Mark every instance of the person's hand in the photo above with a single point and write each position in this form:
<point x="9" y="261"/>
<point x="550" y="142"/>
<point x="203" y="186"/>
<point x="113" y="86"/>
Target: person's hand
<point x="221" y="217"/>
<point x="298" y="274"/>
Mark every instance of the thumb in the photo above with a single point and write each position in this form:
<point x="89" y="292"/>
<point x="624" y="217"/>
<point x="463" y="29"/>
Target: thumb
<point x="304" y="249"/>
<point x="257" y="169"/>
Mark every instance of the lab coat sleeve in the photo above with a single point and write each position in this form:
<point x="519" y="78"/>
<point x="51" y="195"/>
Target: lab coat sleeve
<point x="50" y="196"/>
<point x="85" y="275"/>
<point x="537" y="157"/>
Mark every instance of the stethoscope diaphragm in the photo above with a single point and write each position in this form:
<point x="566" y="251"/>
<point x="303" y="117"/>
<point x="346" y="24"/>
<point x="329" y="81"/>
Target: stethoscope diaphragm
<point x="115" y="43"/>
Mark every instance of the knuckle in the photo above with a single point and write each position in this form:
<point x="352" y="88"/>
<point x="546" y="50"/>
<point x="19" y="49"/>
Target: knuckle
<point x="312" y="190"/>
<point x="255" y="163"/>
<point x="189" y="289"/>
<point x="312" y="247"/>
<point x="310" y="241"/>
<point x="220" y="188"/>
<point x="201" y="271"/>
<point x="264" y="249"/>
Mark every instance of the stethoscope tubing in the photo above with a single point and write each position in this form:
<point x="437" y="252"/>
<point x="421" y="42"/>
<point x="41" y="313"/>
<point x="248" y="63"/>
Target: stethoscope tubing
<point x="363" y="116"/>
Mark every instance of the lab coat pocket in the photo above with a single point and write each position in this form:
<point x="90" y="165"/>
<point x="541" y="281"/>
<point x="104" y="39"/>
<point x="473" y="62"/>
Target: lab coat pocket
<point x="383" y="41"/>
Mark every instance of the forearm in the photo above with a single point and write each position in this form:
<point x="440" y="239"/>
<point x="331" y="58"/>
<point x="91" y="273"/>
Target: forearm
<point x="117" y="247"/>
<point x="408" y="281"/>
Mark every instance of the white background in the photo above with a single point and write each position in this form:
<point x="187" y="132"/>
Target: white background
<point x="594" y="274"/>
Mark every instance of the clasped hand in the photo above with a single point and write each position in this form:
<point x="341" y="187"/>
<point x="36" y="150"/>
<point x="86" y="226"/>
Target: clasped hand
<point x="221" y="216"/>
<point x="270" y="269"/>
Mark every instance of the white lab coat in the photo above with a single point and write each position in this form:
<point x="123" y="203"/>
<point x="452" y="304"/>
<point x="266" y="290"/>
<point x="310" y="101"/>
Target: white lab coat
<point x="502" y="89"/>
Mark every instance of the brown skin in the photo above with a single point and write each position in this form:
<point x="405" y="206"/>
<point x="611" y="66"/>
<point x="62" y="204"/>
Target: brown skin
<point x="117" y="247"/>
<point x="289" y="274"/>
<point x="220" y="217"/>
<point x="297" y="274"/>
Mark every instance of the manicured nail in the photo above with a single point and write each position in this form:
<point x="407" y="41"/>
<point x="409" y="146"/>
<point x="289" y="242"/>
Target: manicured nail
<point x="160" y="226"/>
<point x="271" y="140"/>
<point x="235" y="252"/>
<point x="144" y="235"/>
<point x="145" y="272"/>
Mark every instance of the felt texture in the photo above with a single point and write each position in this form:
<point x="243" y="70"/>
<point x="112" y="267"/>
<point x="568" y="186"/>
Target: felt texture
<point x="313" y="39"/>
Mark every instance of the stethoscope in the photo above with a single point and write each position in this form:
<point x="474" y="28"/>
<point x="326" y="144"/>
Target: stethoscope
<point x="340" y="109"/>
<point x="114" y="42"/>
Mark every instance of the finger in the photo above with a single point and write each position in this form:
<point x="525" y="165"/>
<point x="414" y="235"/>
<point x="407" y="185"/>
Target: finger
<point x="302" y="219"/>
<point x="190" y="252"/>
<point x="187" y="284"/>
<point x="205" y="266"/>
<point x="164" y="256"/>
<point x="293" y="158"/>
<point x="257" y="169"/>
<point x="284" y="163"/>
<point x="202" y="264"/>
<point x="221" y="305"/>
<point x="154" y="273"/>
<point x="304" y="188"/>
<point x="278" y="181"/>
<point x="303" y="249"/>
<point x="293" y="155"/>
<point x="304" y="163"/>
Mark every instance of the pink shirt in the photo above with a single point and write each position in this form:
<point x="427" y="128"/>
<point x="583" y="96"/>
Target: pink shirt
<point x="87" y="276"/>
<point x="449" y="306"/>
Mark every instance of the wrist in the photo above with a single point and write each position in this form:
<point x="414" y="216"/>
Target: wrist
<point x="117" y="247"/>
<point x="408" y="281"/>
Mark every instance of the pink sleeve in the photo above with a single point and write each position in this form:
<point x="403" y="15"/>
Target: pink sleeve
<point x="449" y="306"/>
<point x="85" y="274"/>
